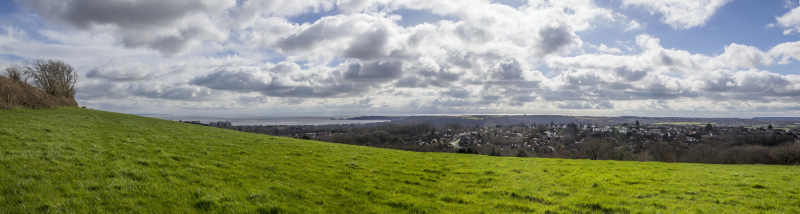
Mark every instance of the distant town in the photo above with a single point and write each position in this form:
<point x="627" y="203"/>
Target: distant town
<point x="668" y="139"/>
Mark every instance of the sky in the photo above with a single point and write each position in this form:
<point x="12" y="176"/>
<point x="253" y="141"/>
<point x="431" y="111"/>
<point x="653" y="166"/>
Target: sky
<point x="684" y="58"/>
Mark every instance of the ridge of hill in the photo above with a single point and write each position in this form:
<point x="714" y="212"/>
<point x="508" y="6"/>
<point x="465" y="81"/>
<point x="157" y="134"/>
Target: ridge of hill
<point x="69" y="160"/>
<point x="16" y="94"/>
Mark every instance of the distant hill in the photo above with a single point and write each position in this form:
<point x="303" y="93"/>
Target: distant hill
<point x="73" y="160"/>
<point x="16" y="94"/>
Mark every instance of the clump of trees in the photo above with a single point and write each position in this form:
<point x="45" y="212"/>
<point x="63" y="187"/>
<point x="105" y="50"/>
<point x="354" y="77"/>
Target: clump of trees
<point x="38" y="84"/>
<point x="54" y="77"/>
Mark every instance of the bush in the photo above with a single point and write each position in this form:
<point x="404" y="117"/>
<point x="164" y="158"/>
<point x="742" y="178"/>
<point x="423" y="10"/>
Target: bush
<point x="18" y="94"/>
<point x="521" y="153"/>
<point x="786" y="154"/>
<point x="52" y="76"/>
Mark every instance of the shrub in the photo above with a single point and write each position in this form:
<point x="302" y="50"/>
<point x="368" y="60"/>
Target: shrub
<point x="521" y="153"/>
<point x="786" y="154"/>
<point x="52" y="76"/>
<point x="18" y="94"/>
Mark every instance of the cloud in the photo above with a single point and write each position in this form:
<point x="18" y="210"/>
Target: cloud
<point x="738" y="56"/>
<point x="557" y="38"/>
<point x="456" y="93"/>
<point x="171" y="27"/>
<point x="171" y="92"/>
<point x="790" y="21"/>
<point x="94" y="90"/>
<point x="586" y="105"/>
<point x="605" y="49"/>
<point x="466" y="56"/>
<point x="245" y="79"/>
<point x="633" y="25"/>
<point x="379" y="71"/>
<point x="785" y="52"/>
<point x="117" y="70"/>
<point x="680" y="14"/>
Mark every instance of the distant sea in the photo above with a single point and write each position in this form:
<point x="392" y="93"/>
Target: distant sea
<point x="267" y="120"/>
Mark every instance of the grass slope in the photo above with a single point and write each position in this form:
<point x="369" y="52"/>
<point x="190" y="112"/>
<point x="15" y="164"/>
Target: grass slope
<point x="79" y="160"/>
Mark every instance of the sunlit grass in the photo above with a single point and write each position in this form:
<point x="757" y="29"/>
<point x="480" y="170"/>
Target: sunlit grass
<point x="77" y="160"/>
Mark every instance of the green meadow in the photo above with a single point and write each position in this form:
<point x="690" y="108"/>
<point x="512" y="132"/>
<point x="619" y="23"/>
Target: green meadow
<point x="72" y="160"/>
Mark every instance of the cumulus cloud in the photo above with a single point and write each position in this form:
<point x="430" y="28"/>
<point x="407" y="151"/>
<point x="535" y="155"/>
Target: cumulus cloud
<point x="380" y="71"/>
<point x="171" y="27"/>
<point x="557" y="38"/>
<point x="785" y="52"/>
<point x="117" y="70"/>
<point x="171" y="92"/>
<point x="681" y="14"/>
<point x="605" y="49"/>
<point x="790" y="21"/>
<point x="474" y="55"/>
<point x="239" y="79"/>
<point x="633" y="25"/>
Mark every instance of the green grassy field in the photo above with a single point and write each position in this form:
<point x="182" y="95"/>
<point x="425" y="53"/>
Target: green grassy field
<point x="77" y="160"/>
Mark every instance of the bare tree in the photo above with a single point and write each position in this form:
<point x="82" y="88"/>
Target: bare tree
<point x="703" y="153"/>
<point x="16" y="72"/>
<point x="660" y="152"/>
<point x="52" y="76"/>
<point x="592" y="148"/>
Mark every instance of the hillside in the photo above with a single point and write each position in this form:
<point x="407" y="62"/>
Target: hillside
<point x="16" y="94"/>
<point x="78" y="160"/>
